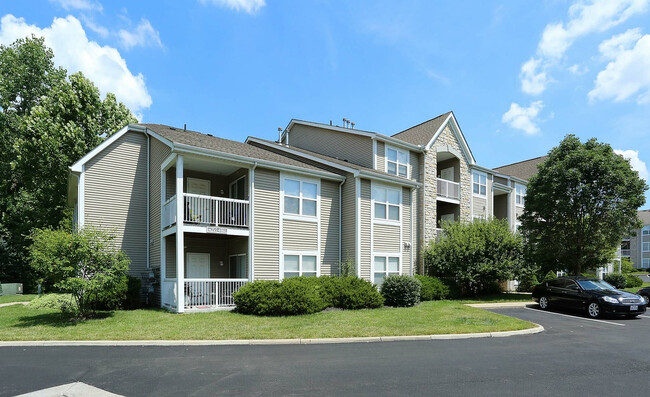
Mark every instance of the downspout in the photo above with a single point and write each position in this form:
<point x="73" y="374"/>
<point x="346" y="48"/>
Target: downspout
<point x="251" y="196"/>
<point x="340" y="226"/>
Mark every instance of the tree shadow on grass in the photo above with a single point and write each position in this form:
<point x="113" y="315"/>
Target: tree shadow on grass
<point x="57" y="320"/>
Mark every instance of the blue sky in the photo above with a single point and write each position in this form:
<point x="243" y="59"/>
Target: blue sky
<point x="519" y="75"/>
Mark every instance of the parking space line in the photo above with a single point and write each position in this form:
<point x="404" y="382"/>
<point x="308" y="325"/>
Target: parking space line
<point x="645" y="316"/>
<point x="580" y="318"/>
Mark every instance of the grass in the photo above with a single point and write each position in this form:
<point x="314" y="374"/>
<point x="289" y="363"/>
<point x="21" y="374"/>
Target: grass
<point x="16" y="298"/>
<point x="499" y="298"/>
<point x="636" y="289"/>
<point x="441" y="317"/>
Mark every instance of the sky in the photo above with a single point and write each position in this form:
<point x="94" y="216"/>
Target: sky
<point x="519" y="75"/>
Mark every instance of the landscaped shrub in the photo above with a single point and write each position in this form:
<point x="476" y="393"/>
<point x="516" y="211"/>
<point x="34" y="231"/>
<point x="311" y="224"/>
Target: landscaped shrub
<point x="549" y="276"/>
<point x="62" y="302"/>
<point x="476" y="255"/>
<point x="84" y="264"/>
<point x="353" y="293"/>
<point x="527" y="282"/>
<point x="132" y="300"/>
<point x="305" y="295"/>
<point x="633" y="281"/>
<point x="401" y="290"/>
<point x="616" y="279"/>
<point x="432" y="288"/>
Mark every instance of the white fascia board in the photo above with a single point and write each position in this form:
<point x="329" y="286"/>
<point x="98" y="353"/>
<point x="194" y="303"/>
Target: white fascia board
<point x="499" y="186"/>
<point x="182" y="148"/>
<point x="459" y="134"/>
<point x="389" y="179"/>
<point x="369" y="134"/>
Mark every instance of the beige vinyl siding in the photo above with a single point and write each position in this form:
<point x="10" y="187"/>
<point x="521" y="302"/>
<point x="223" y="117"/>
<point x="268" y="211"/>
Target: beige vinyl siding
<point x="406" y="230"/>
<point x="478" y="205"/>
<point x="354" y="148"/>
<point x="299" y="235"/>
<point x="115" y="196"/>
<point x="518" y="212"/>
<point x="329" y="211"/>
<point x="349" y="219"/>
<point x="365" y="228"/>
<point x="158" y="152"/>
<point x="414" y="160"/>
<point x="170" y="256"/>
<point x="267" y="219"/>
<point x="385" y="238"/>
<point x="490" y="198"/>
<point x="381" y="156"/>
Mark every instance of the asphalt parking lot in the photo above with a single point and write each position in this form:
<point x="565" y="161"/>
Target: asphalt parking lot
<point x="573" y="356"/>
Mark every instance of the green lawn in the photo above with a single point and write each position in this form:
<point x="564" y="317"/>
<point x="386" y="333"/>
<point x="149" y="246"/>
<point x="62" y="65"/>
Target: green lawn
<point x="636" y="289"/>
<point x="444" y="317"/>
<point x="499" y="298"/>
<point x="16" y="298"/>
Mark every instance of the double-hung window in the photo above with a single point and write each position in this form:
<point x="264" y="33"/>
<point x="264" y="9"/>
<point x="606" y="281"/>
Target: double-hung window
<point x="646" y="262"/>
<point x="397" y="162"/>
<point x="386" y="203"/>
<point x="300" y="197"/>
<point x="646" y="246"/>
<point x="479" y="183"/>
<point x="384" y="266"/>
<point x="646" y="231"/>
<point x="300" y="265"/>
<point x="520" y="194"/>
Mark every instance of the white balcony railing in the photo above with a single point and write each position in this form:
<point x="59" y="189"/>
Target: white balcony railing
<point x="207" y="210"/>
<point x="207" y="293"/>
<point x="448" y="189"/>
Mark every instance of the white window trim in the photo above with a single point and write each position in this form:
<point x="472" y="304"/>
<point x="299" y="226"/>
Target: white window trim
<point x="300" y="254"/>
<point x="645" y="231"/>
<point x="386" y="255"/>
<point x="372" y="204"/>
<point x="645" y="246"/>
<point x="645" y="262"/>
<point x="523" y="196"/>
<point x="235" y="183"/>
<point x="245" y="261"/>
<point x="480" y="174"/>
<point x="301" y="217"/>
<point x="397" y="163"/>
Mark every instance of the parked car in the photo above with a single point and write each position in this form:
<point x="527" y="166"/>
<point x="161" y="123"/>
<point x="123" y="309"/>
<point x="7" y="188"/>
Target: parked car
<point x="595" y="296"/>
<point x="645" y="294"/>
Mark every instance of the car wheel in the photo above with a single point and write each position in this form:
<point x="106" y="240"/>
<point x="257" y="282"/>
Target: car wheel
<point x="543" y="303"/>
<point x="632" y="316"/>
<point x="646" y="298"/>
<point x="593" y="310"/>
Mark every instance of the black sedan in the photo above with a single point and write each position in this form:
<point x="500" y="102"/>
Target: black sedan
<point x="595" y="296"/>
<point x="645" y="294"/>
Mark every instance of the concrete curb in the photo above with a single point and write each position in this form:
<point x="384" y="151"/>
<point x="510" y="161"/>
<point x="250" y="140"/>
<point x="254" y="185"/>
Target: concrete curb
<point x="315" y="341"/>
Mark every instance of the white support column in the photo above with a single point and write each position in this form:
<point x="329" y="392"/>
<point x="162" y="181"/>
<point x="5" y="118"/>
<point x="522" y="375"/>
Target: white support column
<point x="251" y="222"/>
<point x="180" y="237"/>
<point x="163" y="268"/>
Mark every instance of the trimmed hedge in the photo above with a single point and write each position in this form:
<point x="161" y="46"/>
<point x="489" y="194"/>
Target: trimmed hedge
<point x="527" y="282"/>
<point x="432" y="288"/>
<point x="549" y="276"/>
<point x="401" y="290"/>
<point x="619" y="281"/>
<point x="633" y="281"/>
<point x="306" y="295"/>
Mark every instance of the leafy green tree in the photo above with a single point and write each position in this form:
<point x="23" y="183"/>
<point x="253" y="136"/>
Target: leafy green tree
<point x="48" y="120"/>
<point x="579" y="204"/>
<point x="84" y="264"/>
<point x="476" y="255"/>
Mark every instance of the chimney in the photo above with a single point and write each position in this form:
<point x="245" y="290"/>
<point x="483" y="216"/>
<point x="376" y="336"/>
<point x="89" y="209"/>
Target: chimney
<point x="184" y="127"/>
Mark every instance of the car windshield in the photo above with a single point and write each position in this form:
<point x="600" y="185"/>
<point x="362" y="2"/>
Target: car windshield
<point x="594" y="285"/>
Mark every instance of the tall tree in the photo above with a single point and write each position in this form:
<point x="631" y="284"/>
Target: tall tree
<point x="48" y="121"/>
<point x="583" y="199"/>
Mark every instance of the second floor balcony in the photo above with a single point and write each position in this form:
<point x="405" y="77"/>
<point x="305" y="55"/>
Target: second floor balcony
<point x="203" y="210"/>
<point x="448" y="189"/>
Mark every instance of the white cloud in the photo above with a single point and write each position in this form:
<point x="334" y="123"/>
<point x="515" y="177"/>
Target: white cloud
<point x="628" y="73"/>
<point x="522" y="118"/>
<point x="73" y="51"/>
<point x="144" y="35"/>
<point x="636" y="163"/>
<point x="585" y="17"/>
<point x="248" y="6"/>
<point x="533" y="80"/>
<point x="90" y="24"/>
<point x="614" y="46"/>
<point x="84" y="5"/>
<point x="578" y="69"/>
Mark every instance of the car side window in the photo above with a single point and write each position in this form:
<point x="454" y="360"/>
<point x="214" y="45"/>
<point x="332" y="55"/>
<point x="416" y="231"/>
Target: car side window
<point x="571" y="285"/>
<point x="555" y="283"/>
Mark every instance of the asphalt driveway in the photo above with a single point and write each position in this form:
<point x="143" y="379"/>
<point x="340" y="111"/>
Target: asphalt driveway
<point x="574" y="356"/>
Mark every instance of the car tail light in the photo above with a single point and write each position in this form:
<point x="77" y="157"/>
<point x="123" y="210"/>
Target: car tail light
<point x="534" y="286"/>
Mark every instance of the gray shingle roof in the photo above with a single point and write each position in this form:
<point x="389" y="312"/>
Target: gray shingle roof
<point x="330" y="159"/>
<point x="200" y="140"/>
<point x="522" y="169"/>
<point x="422" y="133"/>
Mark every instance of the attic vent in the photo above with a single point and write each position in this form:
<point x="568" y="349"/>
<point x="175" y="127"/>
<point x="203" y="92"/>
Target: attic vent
<point x="172" y="128"/>
<point x="347" y="123"/>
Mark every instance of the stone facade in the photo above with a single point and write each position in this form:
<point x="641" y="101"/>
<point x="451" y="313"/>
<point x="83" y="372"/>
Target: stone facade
<point x="447" y="141"/>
